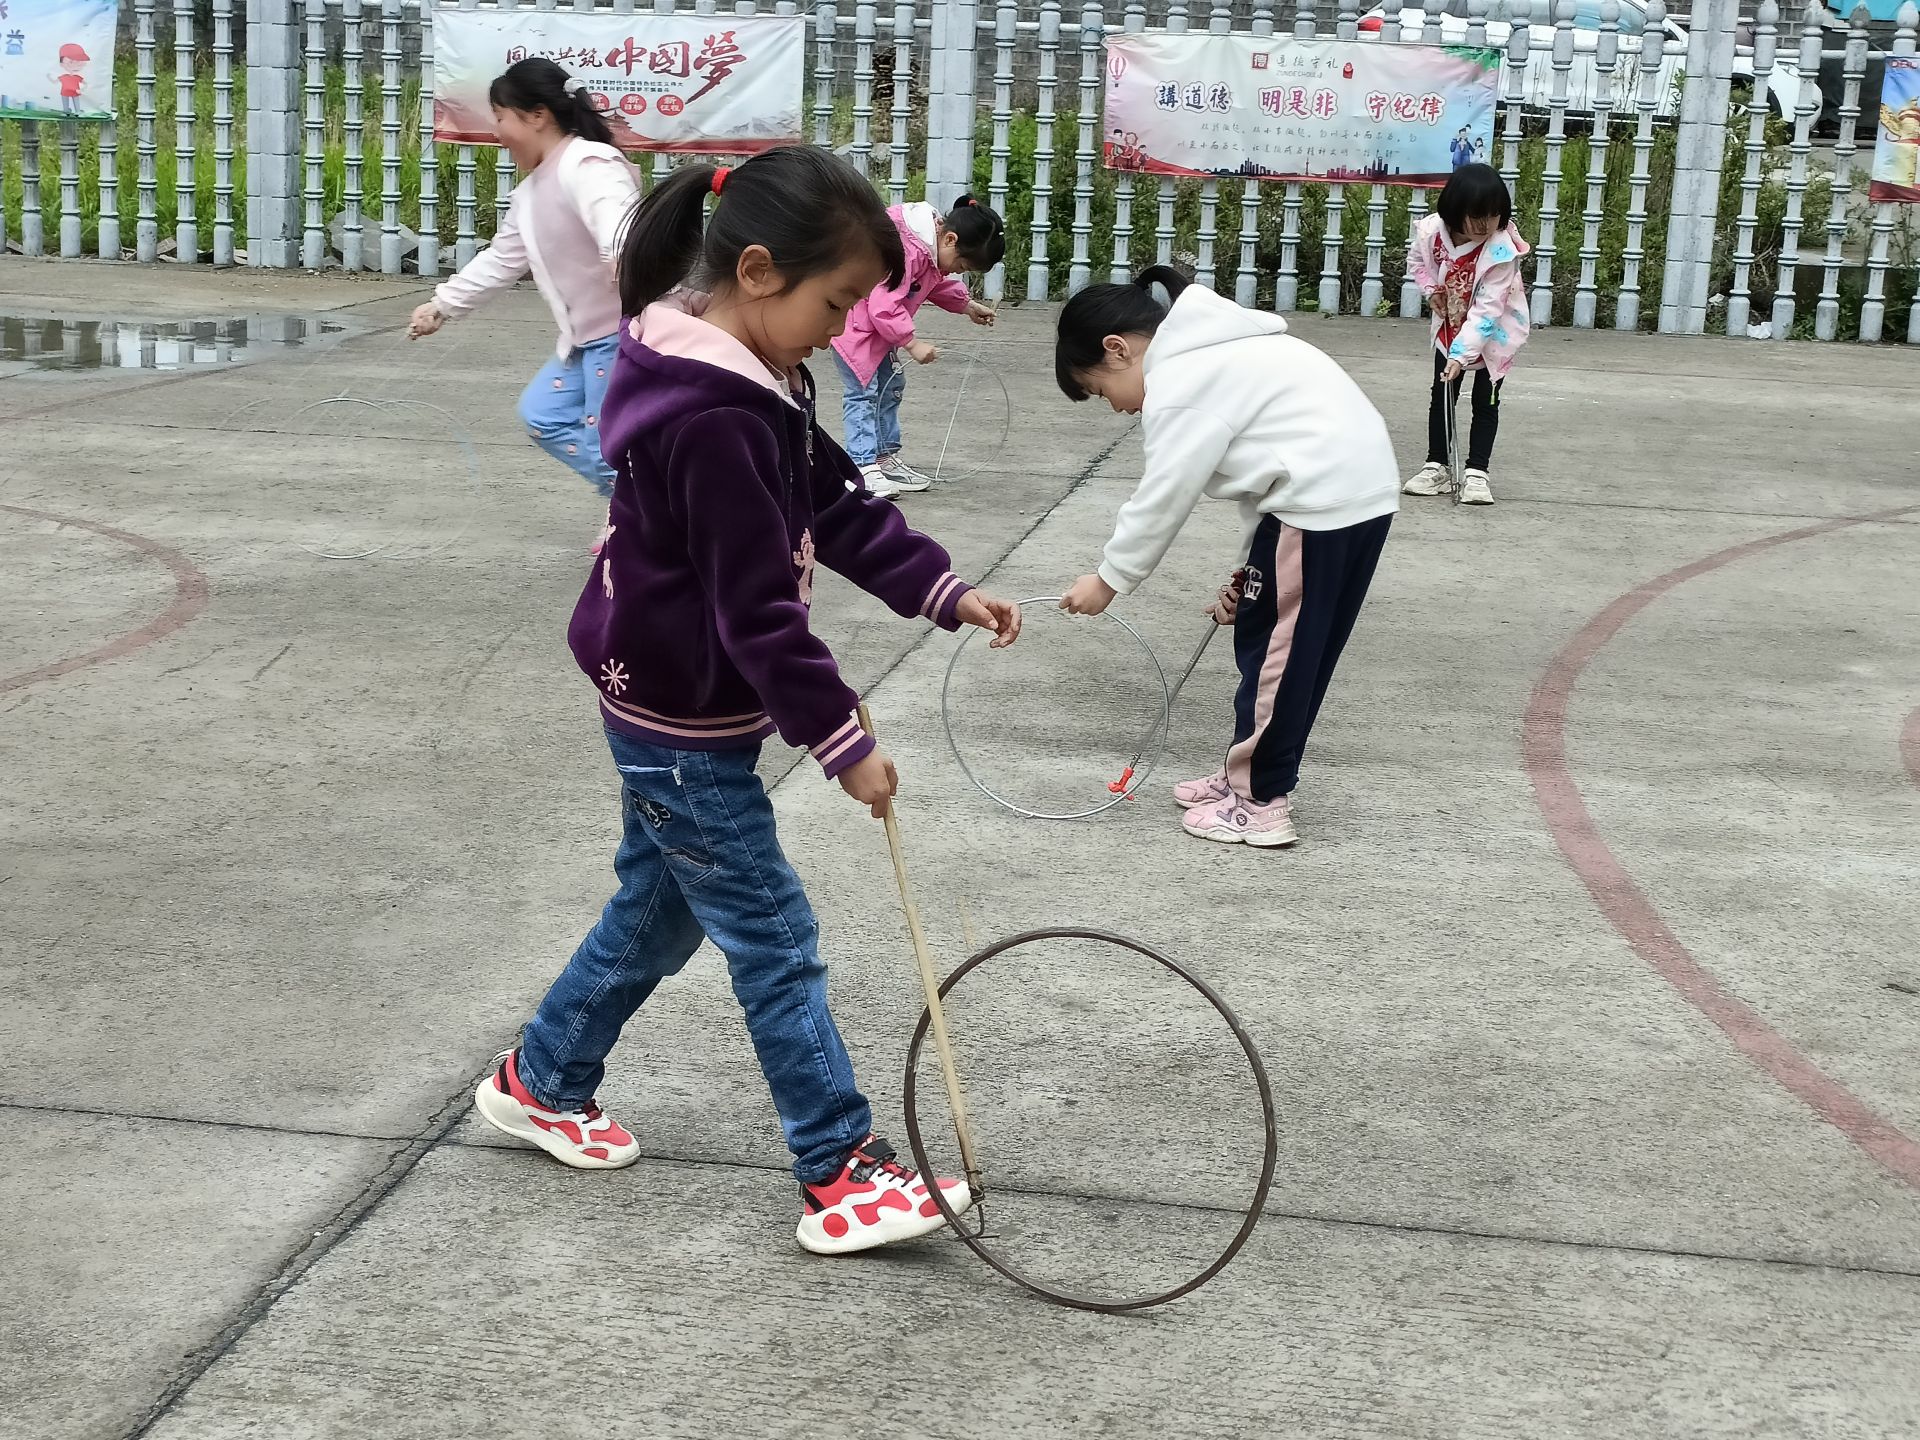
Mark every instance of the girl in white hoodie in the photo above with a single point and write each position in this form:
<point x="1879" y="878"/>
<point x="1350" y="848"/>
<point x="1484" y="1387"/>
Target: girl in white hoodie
<point x="563" y="223"/>
<point x="1234" y="407"/>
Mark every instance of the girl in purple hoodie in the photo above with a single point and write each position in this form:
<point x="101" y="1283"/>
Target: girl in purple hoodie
<point x="693" y="628"/>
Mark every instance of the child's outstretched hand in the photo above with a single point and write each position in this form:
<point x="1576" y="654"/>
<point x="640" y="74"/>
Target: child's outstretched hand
<point x="424" y="321"/>
<point x="1002" y="617"/>
<point x="979" y="312"/>
<point x="1089" y="595"/>
<point x="923" y="352"/>
<point x="872" y="781"/>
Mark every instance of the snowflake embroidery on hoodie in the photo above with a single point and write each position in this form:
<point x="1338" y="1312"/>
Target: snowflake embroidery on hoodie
<point x="613" y="675"/>
<point x="803" y="561"/>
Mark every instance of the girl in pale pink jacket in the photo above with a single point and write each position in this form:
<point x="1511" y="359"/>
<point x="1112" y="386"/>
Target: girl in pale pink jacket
<point x="969" y="237"/>
<point x="1466" y="260"/>
<point x="564" y="224"/>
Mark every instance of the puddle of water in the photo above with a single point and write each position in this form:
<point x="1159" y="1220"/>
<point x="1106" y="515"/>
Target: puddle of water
<point x="60" y="344"/>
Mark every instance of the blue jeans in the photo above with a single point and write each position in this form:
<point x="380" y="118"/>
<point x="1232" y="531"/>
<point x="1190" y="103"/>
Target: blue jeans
<point x="561" y="409"/>
<point x="699" y="858"/>
<point x="872" y="412"/>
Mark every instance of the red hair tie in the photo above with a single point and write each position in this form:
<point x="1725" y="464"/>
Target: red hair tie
<point x="720" y="177"/>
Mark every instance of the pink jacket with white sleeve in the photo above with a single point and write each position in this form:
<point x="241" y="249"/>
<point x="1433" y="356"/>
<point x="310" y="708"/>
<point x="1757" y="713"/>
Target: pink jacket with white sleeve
<point x="1496" y="321"/>
<point x="564" y="223"/>
<point x="883" y="322"/>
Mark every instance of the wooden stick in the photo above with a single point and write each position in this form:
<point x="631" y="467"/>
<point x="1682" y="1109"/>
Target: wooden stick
<point x="930" y="983"/>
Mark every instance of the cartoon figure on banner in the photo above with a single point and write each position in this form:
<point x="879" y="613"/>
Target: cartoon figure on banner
<point x="71" y="77"/>
<point x="1902" y="126"/>
<point x="1462" y="148"/>
<point x="1124" y="152"/>
<point x="16" y="42"/>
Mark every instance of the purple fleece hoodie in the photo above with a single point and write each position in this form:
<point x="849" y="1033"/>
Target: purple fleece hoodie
<point x="693" y="623"/>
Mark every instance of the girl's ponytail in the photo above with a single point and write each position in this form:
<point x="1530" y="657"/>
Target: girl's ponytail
<point x="664" y="237"/>
<point x="981" y="234"/>
<point x="1166" y="277"/>
<point x="584" y="120"/>
<point x="536" y="83"/>
<point x="1102" y="310"/>
<point x="807" y="209"/>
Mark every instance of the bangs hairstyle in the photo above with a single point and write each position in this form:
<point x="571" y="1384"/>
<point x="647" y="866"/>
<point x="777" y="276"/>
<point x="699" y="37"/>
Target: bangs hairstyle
<point x="1102" y="310"/>
<point x="539" y="84"/>
<point x="1474" y="192"/>
<point x="982" y="235"/>
<point x="810" y="211"/>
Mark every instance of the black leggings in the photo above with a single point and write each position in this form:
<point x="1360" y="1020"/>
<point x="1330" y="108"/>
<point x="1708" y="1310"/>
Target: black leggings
<point x="1486" y="416"/>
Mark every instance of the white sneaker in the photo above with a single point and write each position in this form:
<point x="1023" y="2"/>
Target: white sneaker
<point x="1475" y="489"/>
<point x="904" y="476"/>
<point x="879" y="483"/>
<point x="1429" y="479"/>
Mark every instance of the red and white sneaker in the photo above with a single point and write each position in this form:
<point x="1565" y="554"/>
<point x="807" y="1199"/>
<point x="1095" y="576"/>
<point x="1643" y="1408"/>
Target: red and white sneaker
<point x="1234" y="821"/>
<point x="874" y="1200"/>
<point x="1207" y="790"/>
<point x="587" y="1139"/>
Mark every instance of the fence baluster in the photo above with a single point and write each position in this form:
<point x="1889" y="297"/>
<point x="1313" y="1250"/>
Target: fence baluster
<point x="662" y="160"/>
<point x="898" y="140"/>
<point x="186" y="227"/>
<point x="1606" y="64"/>
<point x="1246" y="281"/>
<point x="1873" y="312"/>
<point x="427" y="258"/>
<point x="1556" y="141"/>
<point x="1092" y="71"/>
<point x="350" y="239"/>
<point x="223" y="132"/>
<point x="864" y="24"/>
<point x="1126" y="188"/>
<point x="1519" y="50"/>
<point x="146" y="227"/>
<point x="1039" y="261"/>
<point x="826" y="24"/>
<point x="1373" y="284"/>
<point x="465" y="199"/>
<point x="1219" y="22"/>
<point x="1626" y="306"/>
<point x="69" y="189"/>
<point x="389" y="137"/>
<point x="313" y="235"/>
<point x="1333" y="243"/>
<point x="1005" y="17"/>
<point x="1786" y="279"/>
<point x="1164" y="233"/>
<point x="1826" y="314"/>
<point x="1740" y="298"/>
<point x="107" y="241"/>
<point x="1286" y="284"/>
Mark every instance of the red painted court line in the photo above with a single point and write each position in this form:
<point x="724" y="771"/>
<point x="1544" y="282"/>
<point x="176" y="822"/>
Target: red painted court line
<point x="1625" y="905"/>
<point x="189" y="599"/>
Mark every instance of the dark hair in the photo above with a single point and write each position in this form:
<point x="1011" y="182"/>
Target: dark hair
<point x="537" y="83"/>
<point x="981" y="233"/>
<point x="1473" y="192"/>
<point x="1102" y="310"/>
<point x="810" y="210"/>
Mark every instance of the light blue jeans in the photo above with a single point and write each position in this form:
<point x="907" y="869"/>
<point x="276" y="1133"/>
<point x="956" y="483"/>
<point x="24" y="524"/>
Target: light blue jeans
<point x="872" y="412"/>
<point x="698" y="858"/>
<point x="561" y="409"/>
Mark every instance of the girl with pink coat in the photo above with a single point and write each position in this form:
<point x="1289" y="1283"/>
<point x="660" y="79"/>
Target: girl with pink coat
<point x="969" y="238"/>
<point x="1466" y="260"/>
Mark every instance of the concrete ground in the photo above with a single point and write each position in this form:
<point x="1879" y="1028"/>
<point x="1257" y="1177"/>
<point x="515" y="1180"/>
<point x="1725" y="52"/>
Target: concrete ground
<point x="1590" y="997"/>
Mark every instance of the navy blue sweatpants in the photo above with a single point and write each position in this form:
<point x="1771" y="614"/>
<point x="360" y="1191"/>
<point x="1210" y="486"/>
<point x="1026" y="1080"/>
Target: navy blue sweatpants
<point x="1303" y="591"/>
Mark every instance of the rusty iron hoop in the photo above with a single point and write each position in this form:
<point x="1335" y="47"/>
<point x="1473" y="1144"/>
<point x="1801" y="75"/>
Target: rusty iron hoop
<point x="1000" y="1263"/>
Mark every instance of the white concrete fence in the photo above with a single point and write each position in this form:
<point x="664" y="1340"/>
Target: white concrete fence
<point x="334" y="148"/>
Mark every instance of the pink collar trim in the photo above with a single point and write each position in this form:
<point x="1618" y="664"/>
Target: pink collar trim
<point x="668" y="327"/>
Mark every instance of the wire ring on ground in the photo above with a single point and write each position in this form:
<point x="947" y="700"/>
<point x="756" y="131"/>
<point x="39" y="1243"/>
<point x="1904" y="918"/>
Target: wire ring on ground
<point x="1160" y="726"/>
<point x="940" y="472"/>
<point x="978" y="1245"/>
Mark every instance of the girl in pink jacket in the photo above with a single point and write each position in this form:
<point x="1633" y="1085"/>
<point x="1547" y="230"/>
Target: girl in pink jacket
<point x="1466" y="260"/>
<point x="563" y="224"/>
<point x="969" y="237"/>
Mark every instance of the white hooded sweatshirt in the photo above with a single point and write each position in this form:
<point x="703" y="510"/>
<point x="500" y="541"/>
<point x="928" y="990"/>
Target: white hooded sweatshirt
<point x="1238" y="409"/>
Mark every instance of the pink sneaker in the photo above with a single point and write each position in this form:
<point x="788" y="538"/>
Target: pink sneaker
<point x="587" y="1138"/>
<point x="1234" y="821"/>
<point x="874" y="1200"/>
<point x="1205" y="791"/>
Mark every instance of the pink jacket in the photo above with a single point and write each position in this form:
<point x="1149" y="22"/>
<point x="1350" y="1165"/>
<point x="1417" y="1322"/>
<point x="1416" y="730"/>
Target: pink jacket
<point x="883" y="322"/>
<point x="564" y="223"/>
<point x="1497" y="319"/>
